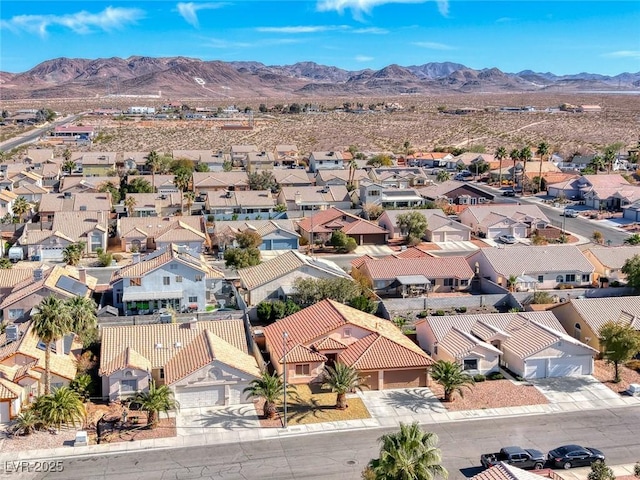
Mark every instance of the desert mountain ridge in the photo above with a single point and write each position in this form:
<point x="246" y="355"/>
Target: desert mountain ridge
<point x="177" y="77"/>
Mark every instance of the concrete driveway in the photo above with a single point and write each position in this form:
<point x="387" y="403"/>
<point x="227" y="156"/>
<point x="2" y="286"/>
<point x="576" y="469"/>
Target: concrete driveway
<point x="401" y="405"/>
<point x="568" y="392"/>
<point x="197" y="421"/>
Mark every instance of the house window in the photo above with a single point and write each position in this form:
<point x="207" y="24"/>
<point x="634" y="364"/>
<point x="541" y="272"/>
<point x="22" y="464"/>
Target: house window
<point x="15" y="313"/>
<point x="166" y="280"/>
<point x="128" y="386"/>
<point x="559" y="279"/>
<point x="470" y="364"/>
<point x="199" y="277"/>
<point x="303" y="370"/>
<point x="435" y="349"/>
<point x="135" y="282"/>
<point x="577" y="331"/>
<point x="193" y="299"/>
<point x="346" y="332"/>
<point x="374" y="193"/>
<point x="162" y="373"/>
<point x="464" y="282"/>
<point x="540" y="278"/>
<point x="447" y="282"/>
<point x="585" y="278"/>
<point x="178" y="278"/>
<point x="570" y="277"/>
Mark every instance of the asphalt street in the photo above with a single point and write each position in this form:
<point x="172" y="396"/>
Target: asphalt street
<point x="343" y="455"/>
<point x="34" y="134"/>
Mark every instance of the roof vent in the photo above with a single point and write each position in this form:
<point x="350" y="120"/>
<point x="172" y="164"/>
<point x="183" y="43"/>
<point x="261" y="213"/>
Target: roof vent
<point x="83" y="208"/>
<point x="67" y="194"/>
<point x="38" y="273"/>
<point x="228" y="194"/>
<point x="12" y="332"/>
<point x="158" y="345"/>
<point x="177" y="344"/>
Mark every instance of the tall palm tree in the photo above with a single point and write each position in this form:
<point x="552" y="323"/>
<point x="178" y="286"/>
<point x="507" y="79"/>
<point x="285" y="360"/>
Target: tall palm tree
<point x="341" y="379"/>
<point x="410" y="454"/>
<point x="156" y="400"/>
<point x="500" y="154"/>
<point x="181" y="181"/>
<point x="84" y="320"/>
<point x="525" y="156"/>
<point x="608" y="156"/>
<point x="66" y="154"/>
<point x="69" y="165"/>
<point x="72" y="253"/>
<point x="452" y="378"/>
<point x="51" y="322"/>
<point x="543" y="150"/>
<point x="153" y="162"/>
<point x="190" y="198"/>
<point x="270" y="387"/>
<point x="20" y="207"/>
<point x="62" y="407"/>
<point x="130" y="203"/>
<point x="514" y="155"/>
<point x="353" y="166"/>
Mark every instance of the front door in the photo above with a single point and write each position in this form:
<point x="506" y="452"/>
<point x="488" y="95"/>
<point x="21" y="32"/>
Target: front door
<point x="331" y="359"/>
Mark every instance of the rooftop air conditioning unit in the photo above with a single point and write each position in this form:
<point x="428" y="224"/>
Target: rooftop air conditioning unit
<point x="12" y="332"/>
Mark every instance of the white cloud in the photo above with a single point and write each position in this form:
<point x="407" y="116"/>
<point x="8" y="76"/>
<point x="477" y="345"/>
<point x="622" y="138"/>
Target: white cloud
<point x="220" y="43"/>
<point x="83" y="22"/>
<point x="504" y="20"/>
<point x="365" y="6"/>
<point x="624" y="54"/>
<point x="298" y="29"/>
<point x="434" y="46"/>
<point x="189" y="10"/>
<point x="371" y="30"/>
<point x="363" y="58"/>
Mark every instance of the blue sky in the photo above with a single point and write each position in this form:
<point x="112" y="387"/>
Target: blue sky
<point x="562" y="37"/>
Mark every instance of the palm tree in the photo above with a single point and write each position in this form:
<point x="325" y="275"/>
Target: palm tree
<point x="63" y="406"/>
<point x="190" y="198"/>
<point x="69" y="166"/>
<point x="452" y="378"/>
<point x="514" y="155"/>
<point x="156" y="400"/>
<point x="543" y="149"/>
<point x="130" y="203"/>
<point x="5" y="264"/>
<point x="410" y="454"/>
<point x="66" y="154"/>
<point x="181" y="181"/>
<point x="153" y="162"/>
<point x="341" y="379"/>
<point x="270" y="387"/>
<point x="72" y="253"/>
<point x="608" y="156"/>
<point x="597" y="163"/>
<point x="632" y="239"/>
<point x="20" y="207"/>
<point x="51" y="322"/>
<point x="500" y="154"/>
<point x="84" y="321"/>
<point x="442" y="176"/>
<point x="26" y="423"/>
<point x="511" y="282"/>
<point x="353" y="166"/>
<point x="525" y="156"/>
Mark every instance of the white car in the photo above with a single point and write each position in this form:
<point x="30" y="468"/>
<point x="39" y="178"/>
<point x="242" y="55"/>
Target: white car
<point x="571" y="213"/>
<point x="510" y="239"/>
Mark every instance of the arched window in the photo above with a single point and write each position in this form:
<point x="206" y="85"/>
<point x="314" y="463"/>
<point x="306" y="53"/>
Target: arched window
<point x="577" y="331"/>
<point x="559" y="279"/>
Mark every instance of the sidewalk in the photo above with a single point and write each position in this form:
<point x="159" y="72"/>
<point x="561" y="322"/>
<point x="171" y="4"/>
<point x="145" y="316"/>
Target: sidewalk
<point x="383" y="415"/>
<point x="582" y="473"/>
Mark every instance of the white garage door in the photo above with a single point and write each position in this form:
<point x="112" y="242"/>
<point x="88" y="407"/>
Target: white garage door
<point x="438" y="237"/>
<point x="52" y="253"/>
<point x="200" y="396"/>
<point x="535" y="368"/>
<point x="455" y="237"/>
<point x="520" y="232"/>
<point x="569" y="367"/>
<point x="4" y="412"/>
<point x="496" y="232"/>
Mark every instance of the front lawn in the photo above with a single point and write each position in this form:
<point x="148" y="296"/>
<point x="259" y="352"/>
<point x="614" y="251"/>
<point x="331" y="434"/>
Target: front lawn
<point x="315" y="405"/>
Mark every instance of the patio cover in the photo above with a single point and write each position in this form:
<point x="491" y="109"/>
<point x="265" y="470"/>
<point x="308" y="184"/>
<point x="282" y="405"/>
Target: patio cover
<point x="410" y="280"/>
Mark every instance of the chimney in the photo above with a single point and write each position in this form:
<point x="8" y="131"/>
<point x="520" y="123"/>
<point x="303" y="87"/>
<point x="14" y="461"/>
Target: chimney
<point x="82" y="275"/>
<point x="136" y="257"/>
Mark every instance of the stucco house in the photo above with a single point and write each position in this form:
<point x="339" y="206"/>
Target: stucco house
<point x="321" y="225"/>
<point x="340" y="177"/>
<point x="440" y="227"/>
<point x="582" y="318"/>
<point x="609" y="261"/>
<point x="276" y="234"/>
<point x="330" y="332"/>
<point x="274" y="278"/>
<point x="287" y="155"/>
<point x="456" y="193"/>
<point x="141" y="234"/>
<point x="388" y="197"/>
<point x="22" y="366"/>
<point x="292" y="177"/>
<point x="207" y="182"/>
<point x="52" y="203"/>
<point x="172" y="277"/>
<point x="530" y="344"/>
<point x="97" y="164"/>
<point x="492" y="221"/>
<point x="205" y="363"/>
<point x="538" y="267"/>
<point x="326" y="161"/>
<point x="399" y="177"/>
<point x="315" y="198"/>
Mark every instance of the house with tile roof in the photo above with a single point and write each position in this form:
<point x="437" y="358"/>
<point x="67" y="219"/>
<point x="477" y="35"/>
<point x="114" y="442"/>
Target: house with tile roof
<point x="22" y="366"/>
<point x="171" y="277"/>
<point x="330" y="332"/>
<point x="542" y="267"/>
<point x="399" y="177"/>
<point x="151" y="205"/>
<point x="456" y="193"/>
<point x="504" y="471"/>
<point x="492" y="221"/>
<point x="388" y="196"/>
<point x="68" y="227"/>
<point x="63" y="282"/>
<point x="292" y="177"/>
<point x="7" y="199"/>
<point x="287" y="155"/>
<point x="78" y="184"/>
<point x="583" y="318"/>
<point x="141" y="234"/>
<point x="276" y="234"/>
<point x="332" y="160"/>
<point x="205" y="363"/>
<point x="257" y="161"/>
<point x="213" y="159"/>
<point x="320" y="226"/>
<point x="609" y="261"/>
<point x="97" y="163"/>
<point x="598" y="191"/>
<point x="208" y="182"/>
<point x="429" y="159"/>
<point x="315" y="198"/>
<point x="239" y="154"/>
<point x="341" y="177"/>
<point x="402" y="277"/>
<point x="259" y="202"/>
<point x="52" y="203"/>
<point x="440" y="227"/>
<point x="274" y="278"/>
<point x="530" y="344"/>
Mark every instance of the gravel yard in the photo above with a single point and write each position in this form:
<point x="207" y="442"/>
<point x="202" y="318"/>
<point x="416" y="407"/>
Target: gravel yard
<point x="492" y="394"/>
<point x="604" y="373"/>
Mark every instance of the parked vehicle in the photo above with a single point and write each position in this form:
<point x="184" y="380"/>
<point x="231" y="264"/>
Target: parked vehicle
<point x="571" y="213"/>
<point x="463" y="175"/>
<point x="509" y="193"/>
<point x="568" y="456"/>
<point x="16" y="253"/>
<point x="516" y="456"/>
<point x="510" y="239"/>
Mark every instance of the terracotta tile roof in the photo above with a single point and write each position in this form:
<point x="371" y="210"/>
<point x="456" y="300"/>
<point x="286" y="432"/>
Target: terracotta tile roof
<point x="263" y="227"/>
<point x="363" y="227"/>
<point x="292" y="177"/>
<point x="412" y="252"/>
<point x="128" y="358"/>
<point x="180" y="232"/>
<point x="431" y="267"/>
<point x="301" y="354"/>
<point x="9" y="390"/>
<point x="89" y="201"/>
<point x="313" y="323"/>
<point x="376" y="352"/>
<point x="220" y="179"/>
<point x="325" y="216"/>
<point x="502" y="471"/>
<point x="459" y="343"/>
<point x="598" y="311"/>
<point x="152" y="225"/>
<point x="614" y="257"/>
<point x="532" y="259"/>
<point x="252" y="277"/>
<point x="203" y="350"/>
<point x="9" y="277"/>
<point x="144" y="340"/>
<point x="330" y="343"/>
<point x="480" y="212"/>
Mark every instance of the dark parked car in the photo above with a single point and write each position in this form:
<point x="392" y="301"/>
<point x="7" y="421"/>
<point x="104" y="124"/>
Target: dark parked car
<point x="519" y="457"/>
<point x="509" y="193"/>
<point x="569" y="456"/>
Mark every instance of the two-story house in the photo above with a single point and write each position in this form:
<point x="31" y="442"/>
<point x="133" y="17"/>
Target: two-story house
<point x="389" y="197"/>
<point x="326" y="161"/>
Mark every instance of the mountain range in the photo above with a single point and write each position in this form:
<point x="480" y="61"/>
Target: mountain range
<point x="182" y="77"/>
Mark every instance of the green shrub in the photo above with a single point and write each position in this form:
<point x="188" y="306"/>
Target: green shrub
<point x="615" y="284"/>
<point x="423" y="314"/>
<point x="479" y="377"/>
<point x="564" y="286"/>
<point x="209" y="308"/>
<point x="461" y="309"/>
<point x="440" y="313"/>
<point x="264" y="311"/>
<point x="495" y="376"/>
